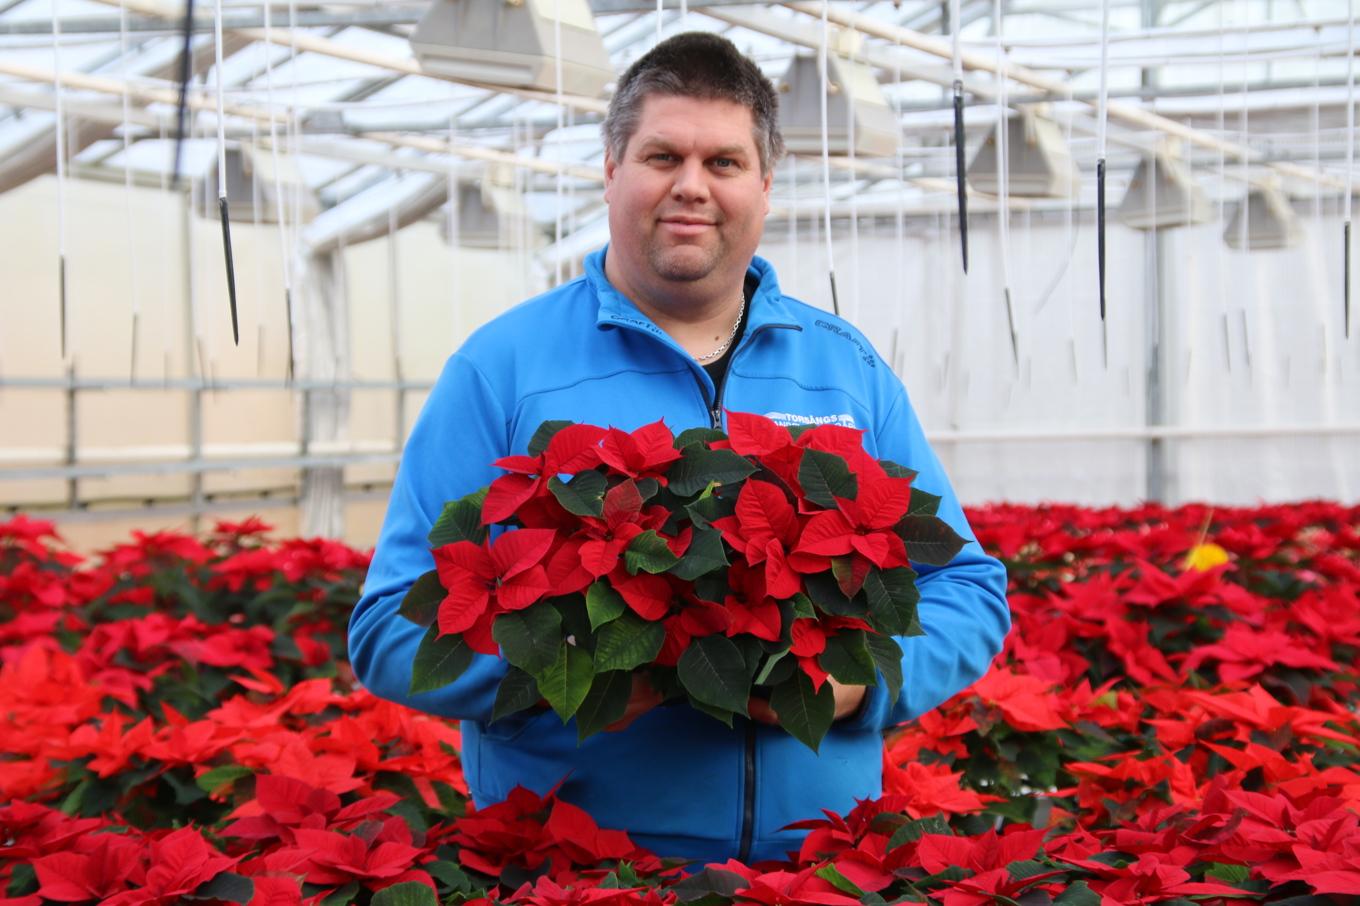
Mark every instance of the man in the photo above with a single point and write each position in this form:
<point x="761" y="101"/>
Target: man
<point x="674" y="319"/>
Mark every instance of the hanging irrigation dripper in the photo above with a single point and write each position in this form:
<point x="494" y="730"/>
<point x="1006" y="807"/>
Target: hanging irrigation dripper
<point x="231" y="270"/>
<point x="1100" y="232"/>
<point x="61" y="289"/>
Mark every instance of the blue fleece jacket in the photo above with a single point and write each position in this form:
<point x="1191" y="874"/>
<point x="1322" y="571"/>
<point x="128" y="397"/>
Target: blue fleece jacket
<point x="679" y="781"/>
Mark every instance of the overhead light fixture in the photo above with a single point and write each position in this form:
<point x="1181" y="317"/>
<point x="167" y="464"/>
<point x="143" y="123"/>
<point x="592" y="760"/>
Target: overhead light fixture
<point x="1039" y="163"/>
<point x="254" y="180"/>
<point x="1162" y="194"/>
<point x="852" y="92"/>
<point x="1271" y="221"/>
<point x="491" y="214"/>
<point x="513" y="43"/>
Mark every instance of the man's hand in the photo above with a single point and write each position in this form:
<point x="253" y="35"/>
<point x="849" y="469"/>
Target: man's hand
<point x="848" y="701"/>
<point x="643" y="699"/>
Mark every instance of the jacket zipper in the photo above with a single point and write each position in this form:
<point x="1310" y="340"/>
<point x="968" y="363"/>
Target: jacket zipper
<point x="748" y="805"/>
<point x="748" y="808"/>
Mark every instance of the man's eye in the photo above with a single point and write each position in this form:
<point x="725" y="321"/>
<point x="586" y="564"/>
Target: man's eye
<point x="663" y="156"/>
<point x="724" y="163"/>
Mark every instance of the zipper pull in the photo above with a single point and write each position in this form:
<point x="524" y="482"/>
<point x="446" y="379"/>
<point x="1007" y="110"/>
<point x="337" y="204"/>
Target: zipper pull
<point x="715" y="414"/>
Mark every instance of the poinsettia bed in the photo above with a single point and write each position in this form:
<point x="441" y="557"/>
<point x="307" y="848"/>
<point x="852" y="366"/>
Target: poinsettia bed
<point x="1172" y="720"/>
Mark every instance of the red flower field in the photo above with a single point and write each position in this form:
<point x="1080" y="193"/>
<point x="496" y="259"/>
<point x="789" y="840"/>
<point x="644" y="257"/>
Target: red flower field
<point x="1173" y="720"/>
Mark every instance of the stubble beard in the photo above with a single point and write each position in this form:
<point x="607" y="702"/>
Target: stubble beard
<point x="684" y="263"/>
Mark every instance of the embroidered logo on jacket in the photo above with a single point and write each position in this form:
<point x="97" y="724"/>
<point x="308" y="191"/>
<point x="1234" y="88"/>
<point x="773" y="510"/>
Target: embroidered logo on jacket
<point x="789" y="419"/>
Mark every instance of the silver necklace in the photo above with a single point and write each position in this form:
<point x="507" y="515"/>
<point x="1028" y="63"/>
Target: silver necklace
<point x="730" y="337"/>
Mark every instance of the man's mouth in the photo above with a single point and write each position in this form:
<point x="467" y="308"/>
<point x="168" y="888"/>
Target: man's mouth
<point x="686" y="226"/>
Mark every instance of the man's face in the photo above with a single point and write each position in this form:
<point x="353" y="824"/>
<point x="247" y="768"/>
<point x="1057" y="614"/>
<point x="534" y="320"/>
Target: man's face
<point x="687" y="200"/>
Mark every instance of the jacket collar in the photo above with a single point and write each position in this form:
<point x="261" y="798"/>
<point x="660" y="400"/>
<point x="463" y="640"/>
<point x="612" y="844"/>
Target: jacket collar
<point x="767" y="306"/>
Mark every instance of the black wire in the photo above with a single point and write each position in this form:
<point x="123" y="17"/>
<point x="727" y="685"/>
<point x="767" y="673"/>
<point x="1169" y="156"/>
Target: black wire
<point x="185" y="67"/>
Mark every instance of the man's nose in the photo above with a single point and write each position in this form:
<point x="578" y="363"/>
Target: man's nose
<point x="691" y="181"/>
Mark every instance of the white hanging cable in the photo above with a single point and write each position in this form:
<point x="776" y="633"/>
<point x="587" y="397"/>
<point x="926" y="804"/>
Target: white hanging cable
<point x="822" y="63"/>
<point x="167" y="225"/>
<point x="1102" y="120"/>
<point x="853" y="179"/>
<point x="222" y="211"/>
<point x="127" y="191"/>
<point x="280" y="215"/>
<point x="793" y="222"/>
<point x="257" y="272"/>
<point x="1350" y="163"/>
<point x="61" y="181"/>
<point x="900" y="215"/>
<point x="1221" y="254"/>
<point x="1243" y="120"/>
<point x="1003" y="179"/>
<point x="455" y="237"/>
<point x="561" y="109"/>
<point x="571" y="199"/>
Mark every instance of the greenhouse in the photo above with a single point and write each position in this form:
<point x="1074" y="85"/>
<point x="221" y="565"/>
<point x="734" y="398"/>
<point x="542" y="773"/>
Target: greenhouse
<point x="692" y="451"/>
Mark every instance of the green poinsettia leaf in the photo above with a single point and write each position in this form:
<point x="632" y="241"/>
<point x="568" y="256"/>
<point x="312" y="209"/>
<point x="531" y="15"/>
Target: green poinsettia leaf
<point x="439" y="661"/>
<point x="603" y="604"/>
<point x="714" y="671"/>
<point x="704" y="555"/>
<point x="605" y="703"/>
<point x="421" y="604"/>
<point x="722" y="715"/>
<point x="772" y="663"/>
<point x="913" y="831"/>
<point x="544" y="434"/>
<point x="894" y="470"/>
<point x="847" y="658"/>
<point x="460" y="520"/>
<point x="697" y="436"/>
<point x="711" y="882"/>
<point x="1078" y="894"/>
<point x="802" y="607"/>
<point x="892" y="597"/>
<point x="923" y="503"/>
<point x="648" y="552"/>
<point x="832" y="876"/>
<point x="628" y="643"/>
<point x="407" y="893"/>
<point x="929" y="539"/>
<point x="227" y="886"/>
<point x="693" y="472"/>
<point x="583" y="495"/>
<point x="887" y="655"/>
<point x="566" y="682"/>
<point x="221" y="776"/>
<point x="529" y="638"/>
<point x="517" y="691"/>
<point x="824" y="477"/>
<point x="804" y="712"/>
<point x="827" y="595"/>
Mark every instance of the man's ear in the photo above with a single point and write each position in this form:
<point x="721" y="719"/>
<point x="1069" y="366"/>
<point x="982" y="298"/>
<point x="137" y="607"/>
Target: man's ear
<point x="609" y="167"/>
<point x="768" y="182"/>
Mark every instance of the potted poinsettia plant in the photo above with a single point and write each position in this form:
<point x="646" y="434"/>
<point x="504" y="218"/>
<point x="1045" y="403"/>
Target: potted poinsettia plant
<point x="723" y="566"/>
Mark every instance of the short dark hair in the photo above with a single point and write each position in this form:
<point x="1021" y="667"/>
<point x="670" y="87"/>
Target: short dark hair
<point x="696" y="64"/>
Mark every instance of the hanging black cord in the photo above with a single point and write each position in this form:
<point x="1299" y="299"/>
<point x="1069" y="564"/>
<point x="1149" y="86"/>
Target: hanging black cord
<point x="186" y="56"/>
